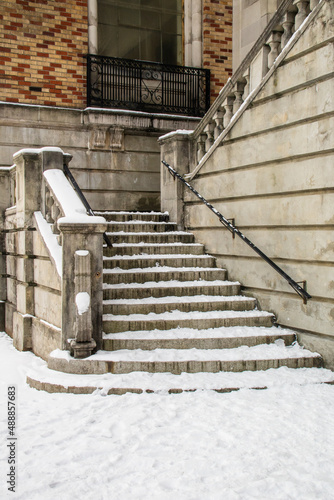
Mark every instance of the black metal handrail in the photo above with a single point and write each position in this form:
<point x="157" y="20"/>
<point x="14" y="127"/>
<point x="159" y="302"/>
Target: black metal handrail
<point x="82" y="197"/>
<point x="147" y="86"/>
<point x="301" y="291"/>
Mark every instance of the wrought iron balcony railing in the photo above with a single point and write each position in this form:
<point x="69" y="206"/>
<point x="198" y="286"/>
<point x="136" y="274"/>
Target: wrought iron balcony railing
<point x="147" y="86"/>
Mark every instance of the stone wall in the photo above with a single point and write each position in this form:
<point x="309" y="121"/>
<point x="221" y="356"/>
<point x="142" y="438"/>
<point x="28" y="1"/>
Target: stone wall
<point x="116" y="159"/>
<point x="42" y="52"/>
<point x="273" y="174"/>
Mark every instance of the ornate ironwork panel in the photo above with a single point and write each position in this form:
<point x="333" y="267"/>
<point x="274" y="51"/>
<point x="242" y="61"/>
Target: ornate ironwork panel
<point x="147" y="86"/>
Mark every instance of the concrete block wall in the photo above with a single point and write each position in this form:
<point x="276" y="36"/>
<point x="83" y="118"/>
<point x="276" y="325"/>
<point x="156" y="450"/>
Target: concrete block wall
<point x="42" y="52"/>
<point x="273" y="174"/>
<point x="116" y="156"/>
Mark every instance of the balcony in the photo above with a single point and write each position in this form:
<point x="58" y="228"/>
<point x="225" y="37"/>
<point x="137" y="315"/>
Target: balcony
<point x="147" y="86"/>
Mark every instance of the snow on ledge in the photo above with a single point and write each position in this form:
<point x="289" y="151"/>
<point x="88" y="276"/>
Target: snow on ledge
<point x="50" y="241"/>
<point x="71" y="205"/>
<point x="174" y="133"/>
<point x="38" y="151"/>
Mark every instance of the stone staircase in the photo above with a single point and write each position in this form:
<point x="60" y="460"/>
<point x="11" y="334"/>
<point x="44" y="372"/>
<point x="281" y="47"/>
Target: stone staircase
<point x="172" y="321"/>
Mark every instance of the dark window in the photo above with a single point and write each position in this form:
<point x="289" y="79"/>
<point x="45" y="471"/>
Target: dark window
<point x="150" y="30"/>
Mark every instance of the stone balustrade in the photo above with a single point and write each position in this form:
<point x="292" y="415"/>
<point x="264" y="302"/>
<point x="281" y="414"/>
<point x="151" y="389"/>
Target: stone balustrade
<point x="46" y="204"/>
<point x="286" y="21"/>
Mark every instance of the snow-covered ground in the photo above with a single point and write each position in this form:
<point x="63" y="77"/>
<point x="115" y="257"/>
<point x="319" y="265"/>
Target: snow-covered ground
<point x="274" y="444"/>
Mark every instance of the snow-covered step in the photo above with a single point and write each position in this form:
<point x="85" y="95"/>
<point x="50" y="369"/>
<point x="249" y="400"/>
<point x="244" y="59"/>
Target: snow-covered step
<point x="174" y="319"/>
<point x="150" y="237"/>
<point x="177" y="361"/>
<point x="182" y="303"/>
<point x="188" y="338"/>
<point x="165" y="273"/>
<point x="140" y="226"/>
<point x="43" y="378"/>
<point x="157" y="260"/>
<point x="154" y="248"/>
<point x="124" y="216"/>
<point x="169" y="288"/>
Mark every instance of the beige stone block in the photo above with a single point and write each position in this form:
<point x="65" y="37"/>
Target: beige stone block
<point x="24" y="269"/>
<point x="24" y="242"/>
<point x="10" y="221"/>
<point x="324" y="345"/>
<point x="45" y="338"/>
<point x="25" y="298"/>
<point x="46" y="275"/>
<point x="136" y="162"/>
<point x="10" y="242"/>
<point x="306" y="174"/>
<point x="11" y="290"/>
<point x="10" y="265"/>
<point x="142" y="143"/>
<point x="255" y="273"/>
<point x="39" y="249"/>
<point x="124" y="200"/>
<point x="48" y="305"/>
<point x="22" y="331"/>
<point x="9" y="314"/>
<point x="313" y="209"/>
<point x="119" y="181"/>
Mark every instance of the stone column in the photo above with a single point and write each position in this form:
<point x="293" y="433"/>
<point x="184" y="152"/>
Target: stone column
<point x="175" y="150"/>
<point x="92" y="27"/>
<point x="78" y="236"/>
<point x="193" y="39"/>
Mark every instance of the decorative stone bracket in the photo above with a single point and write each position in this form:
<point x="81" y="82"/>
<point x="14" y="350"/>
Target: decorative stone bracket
<point x="104" y="138"/>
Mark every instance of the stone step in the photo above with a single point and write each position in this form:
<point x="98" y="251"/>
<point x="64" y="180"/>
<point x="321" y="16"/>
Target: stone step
<point x="177" y="361"/>
<point x="153" y="248"/>
<point x="174" y="319"/>
<point x="141" y="226"/>
<point x="182" y="303"/>
<point x="157" y="260"/>
<point x="149" y="237"/>
<point x="43" y="378"/>
<point x="187" y="338"/>
<point x="129" y="216"/>
<point x="167" y="288"/>
<point x="111" y="276"/>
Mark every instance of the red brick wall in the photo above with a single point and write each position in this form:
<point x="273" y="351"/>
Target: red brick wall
<point x="42" y="45"/>
<point x="217" y="42"/>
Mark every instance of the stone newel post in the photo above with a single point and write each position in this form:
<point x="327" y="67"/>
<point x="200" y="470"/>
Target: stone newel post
<point x="175" y="149"/>
<point x="82" y="244"/>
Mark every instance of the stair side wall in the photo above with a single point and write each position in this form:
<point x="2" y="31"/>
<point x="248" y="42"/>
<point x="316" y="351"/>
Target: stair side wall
<point x="274" y="175"/>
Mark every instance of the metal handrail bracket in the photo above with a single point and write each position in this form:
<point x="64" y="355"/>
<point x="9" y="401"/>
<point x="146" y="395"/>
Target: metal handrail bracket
<point x="298" y="289"/>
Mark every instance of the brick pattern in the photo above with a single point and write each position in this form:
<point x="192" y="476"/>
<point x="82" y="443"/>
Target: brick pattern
<point x="217" y="46"/>
<point x="43" y="44"/>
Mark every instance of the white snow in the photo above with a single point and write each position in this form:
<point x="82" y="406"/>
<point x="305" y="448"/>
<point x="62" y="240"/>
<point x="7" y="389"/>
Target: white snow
<point x="72" y="207"/>
<point x="177" y="315"/>
<point x="178" y="300"/>
<point x="175" y="132"/>
<point x="50" y="240"/>
<point x="171" y="283"/>
<point x="192" y="333"/>
<point x="82" y="301"/>
<point x="274" y="444"/>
